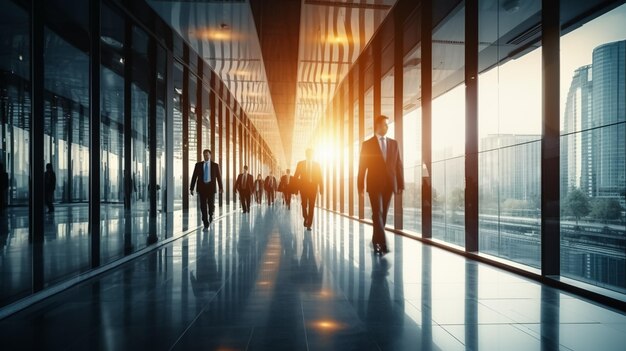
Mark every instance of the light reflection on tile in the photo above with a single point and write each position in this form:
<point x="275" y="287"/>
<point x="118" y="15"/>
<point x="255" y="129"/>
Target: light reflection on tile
<point x="263" y="282"/>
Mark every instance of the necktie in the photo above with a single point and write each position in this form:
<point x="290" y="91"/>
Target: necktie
<point x="207" y="173"/>
<point x="383" y="147"/>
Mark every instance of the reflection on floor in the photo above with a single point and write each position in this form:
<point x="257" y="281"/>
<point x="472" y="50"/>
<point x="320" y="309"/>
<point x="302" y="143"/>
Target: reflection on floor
<point x="261" y="281"/>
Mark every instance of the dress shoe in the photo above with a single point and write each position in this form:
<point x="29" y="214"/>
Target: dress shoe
<point x="308" y="228"/>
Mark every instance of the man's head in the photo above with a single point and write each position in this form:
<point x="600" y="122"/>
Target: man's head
<point x="309" y="154"/>
<point x="380" y="125"/>
<point x="206" y="153"/>
<point x="245" y="169"/>
<point x="259" y="176"/>
<point x="288" y="171"/>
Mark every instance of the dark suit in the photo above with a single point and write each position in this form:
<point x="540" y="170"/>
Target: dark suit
<point x="245" y="189"/>
<point x="286" y="187"/>
<point x="309" y="181"/>
<point x="258" y="190"/>
<point x="270" y="188"/>
<point x="384" y="177"/>
<point x="207" y="190"/>
<point x="4" y="186"/>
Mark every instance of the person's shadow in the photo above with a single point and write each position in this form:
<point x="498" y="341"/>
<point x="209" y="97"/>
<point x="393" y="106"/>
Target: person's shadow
<point x="206" y="280"/>
<point x="310" y="275"/>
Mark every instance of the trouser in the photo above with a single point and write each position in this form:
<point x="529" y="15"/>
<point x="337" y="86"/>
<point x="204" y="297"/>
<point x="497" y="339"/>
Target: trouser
<point x="49" y="200"/>
<point x="258" y="196"/>
<point x="244" y="197"/>
<point x="207" y="202"/>
<point x="3" y="199"/>
<point x="287" y="198"/>
<point x="270" y="196"/>
<point x="379" y="202"/>
<point x="308" y="206"/>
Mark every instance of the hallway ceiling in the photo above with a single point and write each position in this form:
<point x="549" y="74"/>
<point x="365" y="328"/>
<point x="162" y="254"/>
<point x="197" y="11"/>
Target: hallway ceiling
<point x="281" y="59"/>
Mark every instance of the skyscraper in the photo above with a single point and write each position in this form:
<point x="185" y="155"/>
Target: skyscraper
<point x="595" y="160"/>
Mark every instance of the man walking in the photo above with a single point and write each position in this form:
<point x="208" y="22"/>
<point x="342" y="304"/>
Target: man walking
<point x="209" y="177"/>
<point x="270" y="188"/>
<point x="308" y="176"/>
<point x="286" y="187"/>
<point x="380" y="161"/>
<point x="244" y="185"/>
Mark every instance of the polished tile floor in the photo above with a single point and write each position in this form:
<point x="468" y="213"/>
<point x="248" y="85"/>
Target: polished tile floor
<point x="259" y="281"/>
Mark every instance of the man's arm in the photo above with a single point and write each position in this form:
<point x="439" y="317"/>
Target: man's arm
<point x="218" y="177"/>
<point x="360" y="183"/>
<point x="194" y="177"/>
<point x="320" y="179"/>
<point x="399" y="171"/>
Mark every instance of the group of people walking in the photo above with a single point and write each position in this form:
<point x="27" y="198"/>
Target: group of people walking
<point x="380" y="173"/>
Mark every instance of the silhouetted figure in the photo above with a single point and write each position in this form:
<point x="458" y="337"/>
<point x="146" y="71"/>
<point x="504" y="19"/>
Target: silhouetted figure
<point x="270" y="188"/>
<point x="50" y="184"/>
<point x="380" y="160"/>
<point x="4" y="187"/>
<point x="258" y="189"/>
<point x="286" y="187"/>
<point x="209" y="177"/>
<point x="308" y="176"/>
<point x="244" y="186"/>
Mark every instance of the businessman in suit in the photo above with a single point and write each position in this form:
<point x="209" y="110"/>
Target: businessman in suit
<point x="270" y="188"/>
<point x="209" y="178"/>
<point x="308" y="177"/>
<point x="286" y="187"/>
<point x="245" y="186"/>
<point x="380" y="162"/>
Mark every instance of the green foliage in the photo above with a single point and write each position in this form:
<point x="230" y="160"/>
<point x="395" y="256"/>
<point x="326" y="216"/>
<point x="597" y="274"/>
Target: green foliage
<point x="576" y="204"/>
<point x="606" y="209"/>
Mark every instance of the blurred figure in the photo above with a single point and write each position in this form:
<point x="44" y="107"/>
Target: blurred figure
<point x="209" y="178"/>
<point x="380" y="161"/>
<point x="286" y="187"/>
<point x="258" y="189"/>
<point x="308" y="176"/>
<point x="50" y="184"/>
<point x="244" y="186"/>
<point x="4" y="187"/>
<point x="270" y="188"/>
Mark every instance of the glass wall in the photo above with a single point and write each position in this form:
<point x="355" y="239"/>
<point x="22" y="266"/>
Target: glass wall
<point x="113" y="50"/>
<point x="15" y="118"/>
<point x="593" y="152"/>
<point x="509" y="139"/>
<point x="412" y="131"/>
<point x="135" y="111"/>
<point x="448" y="129"/>
<point x="66" y="143"/>
<point x="387" y="109"/>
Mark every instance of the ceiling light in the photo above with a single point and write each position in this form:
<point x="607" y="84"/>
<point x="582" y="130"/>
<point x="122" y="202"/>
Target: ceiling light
<point x="212" y="34"/>
<point x="335" y="39"/>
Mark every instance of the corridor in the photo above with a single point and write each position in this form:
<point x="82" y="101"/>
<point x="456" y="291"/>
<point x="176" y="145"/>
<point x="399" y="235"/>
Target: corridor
<point x="261" y="281"/>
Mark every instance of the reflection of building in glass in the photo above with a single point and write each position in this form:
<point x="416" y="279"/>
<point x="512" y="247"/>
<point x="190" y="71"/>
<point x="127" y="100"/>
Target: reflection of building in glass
<point x="519" y="166"/>
<point x="595" y="160"/>
<point x="575" y="147"/>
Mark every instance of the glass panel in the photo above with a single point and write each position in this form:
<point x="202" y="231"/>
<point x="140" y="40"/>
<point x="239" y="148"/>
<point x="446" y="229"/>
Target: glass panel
<point x="593" y="152"/>
<point x="112" y="225"/>
<point x="448" y="128"/>
<point x="412" y="158"/>
<point x="15" y="113"/>
<point x="66" y="155"/>
<point x="161" y="146"/>
<point x="369" y="132"/>
<point x="140" y="151"/>
<point x="509" y="135"/>
<point x="192" y="129"/>
<point x="387" y="109"/>
<point x="178" y="140"/>
<point x="356" y="144"/>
